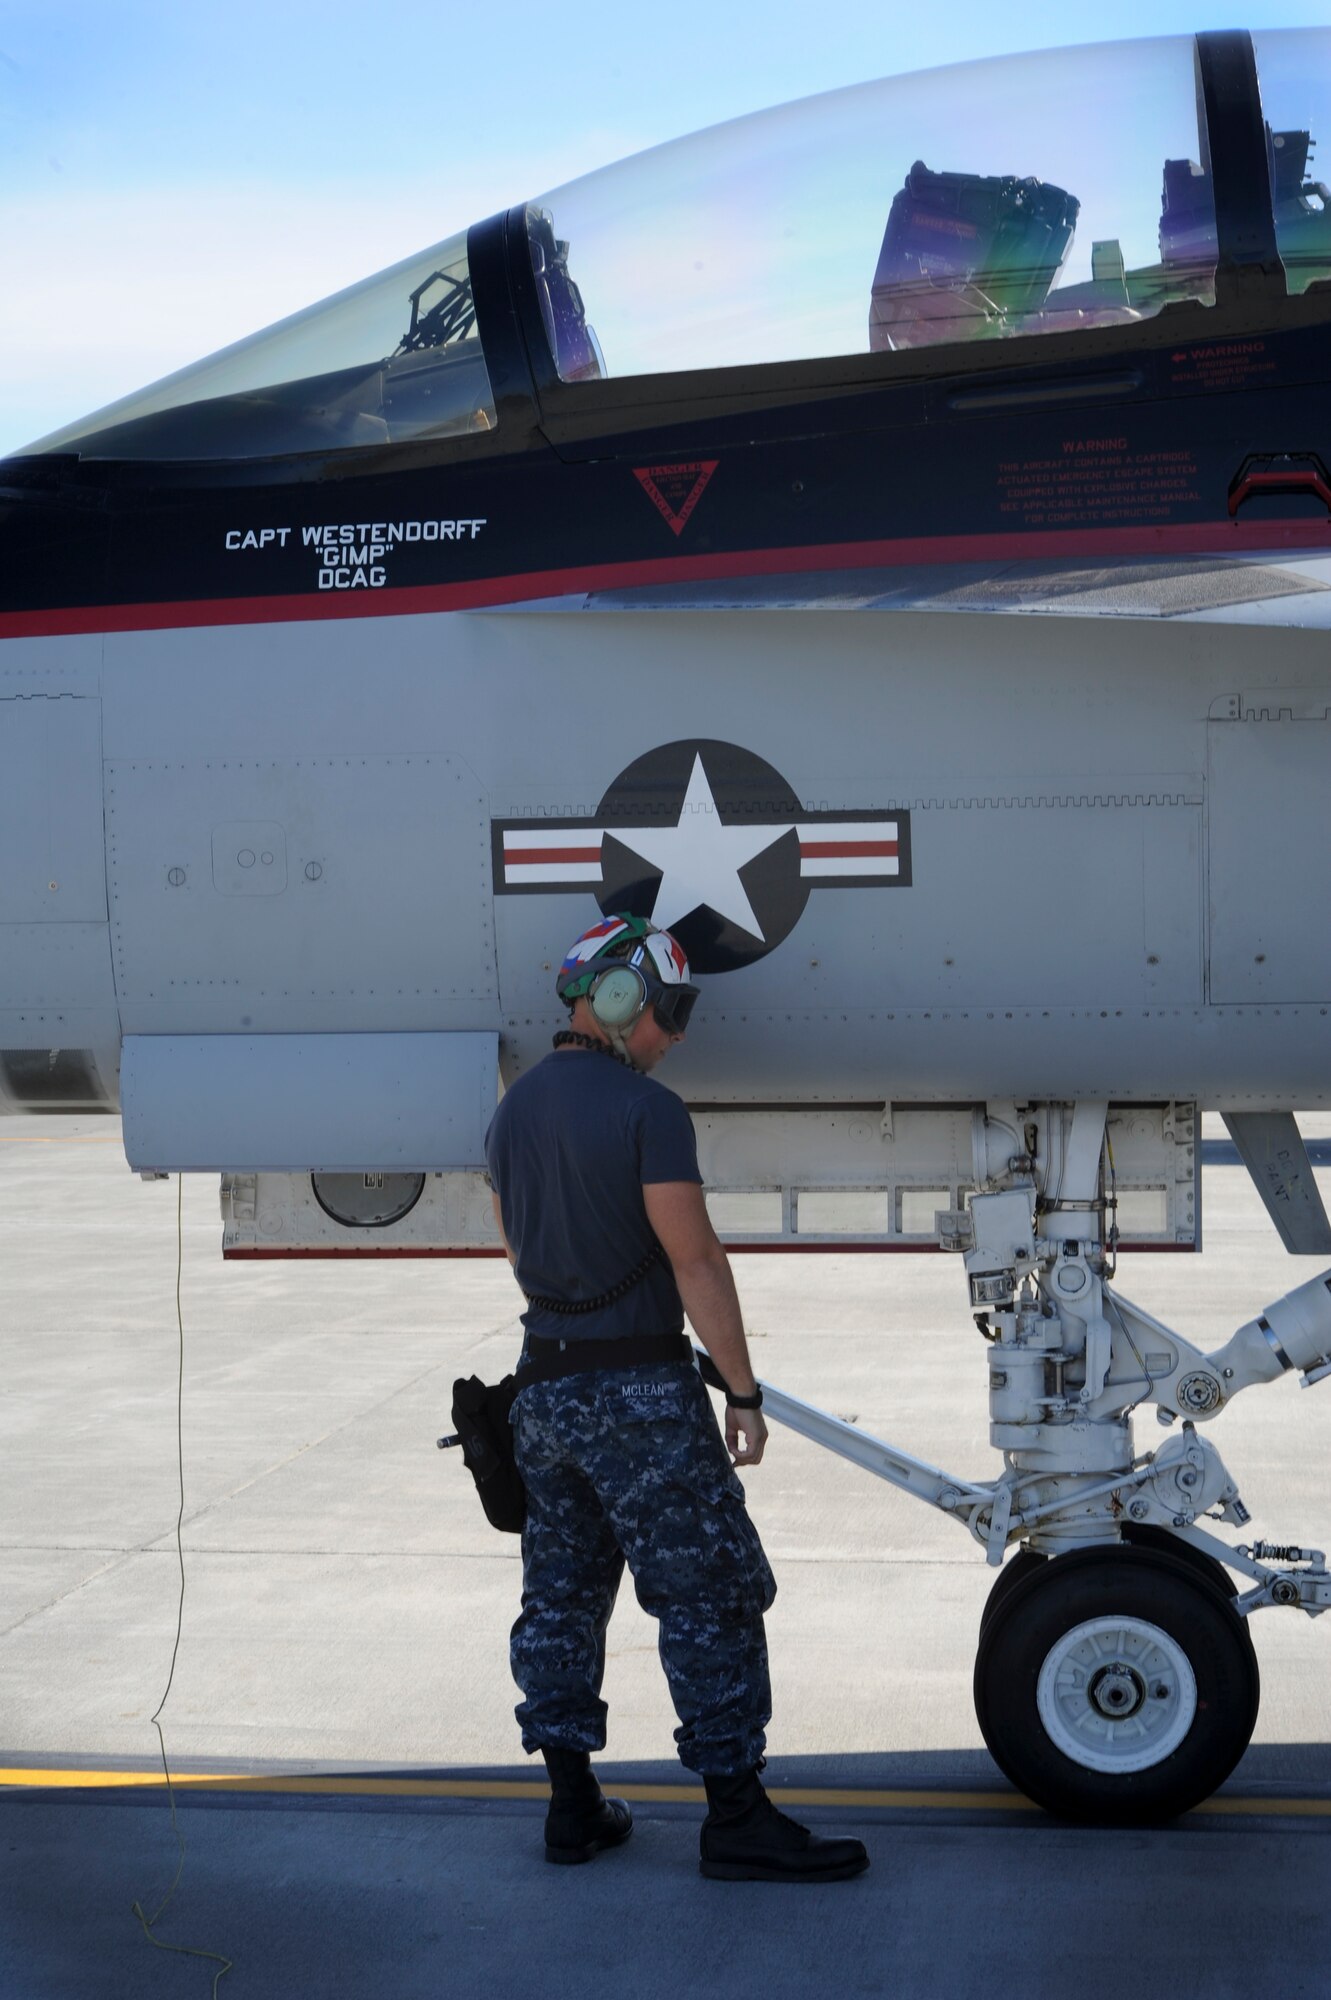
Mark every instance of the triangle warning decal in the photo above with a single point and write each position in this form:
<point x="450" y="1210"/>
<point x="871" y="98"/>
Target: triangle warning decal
<point x="675" y="490"/>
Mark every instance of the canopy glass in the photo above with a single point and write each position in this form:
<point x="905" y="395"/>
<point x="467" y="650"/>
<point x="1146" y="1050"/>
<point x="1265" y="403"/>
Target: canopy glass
<point x="1035" y="193"/>
<point x="394" y="358"/>
<point x="1062" y="191"/>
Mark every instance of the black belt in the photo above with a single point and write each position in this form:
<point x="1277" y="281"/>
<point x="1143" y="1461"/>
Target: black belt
<point x="546" y="1360"/>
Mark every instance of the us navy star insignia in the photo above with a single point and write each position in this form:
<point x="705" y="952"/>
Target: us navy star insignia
<point x="711" y="842"/>
<point x="700" y="859"/>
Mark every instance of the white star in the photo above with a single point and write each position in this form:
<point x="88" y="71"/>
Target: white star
<point x="700" y="858"/>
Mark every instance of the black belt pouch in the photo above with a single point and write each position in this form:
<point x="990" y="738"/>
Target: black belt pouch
<point x="480" y="1418"/>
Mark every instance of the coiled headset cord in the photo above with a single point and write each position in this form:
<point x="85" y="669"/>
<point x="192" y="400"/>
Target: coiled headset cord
<point x="148" y="1922"/>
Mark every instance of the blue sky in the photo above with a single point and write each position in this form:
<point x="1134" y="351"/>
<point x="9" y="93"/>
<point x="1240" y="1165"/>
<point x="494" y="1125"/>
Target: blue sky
<point x="173" y="176"/>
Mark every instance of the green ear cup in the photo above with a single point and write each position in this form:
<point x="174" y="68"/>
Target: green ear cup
<point x="618" y="995"/>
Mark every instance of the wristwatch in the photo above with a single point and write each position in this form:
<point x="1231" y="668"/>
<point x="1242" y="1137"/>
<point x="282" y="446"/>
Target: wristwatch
<point x="753" y="1402"/>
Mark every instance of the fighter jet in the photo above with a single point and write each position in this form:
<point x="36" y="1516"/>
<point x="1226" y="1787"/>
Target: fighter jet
<point x="885" y="540"/>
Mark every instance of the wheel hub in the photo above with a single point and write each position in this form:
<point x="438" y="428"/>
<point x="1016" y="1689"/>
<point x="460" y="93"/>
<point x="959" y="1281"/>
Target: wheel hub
<point x="1116" y="1694"/>
<point x="1117" y="1691"/>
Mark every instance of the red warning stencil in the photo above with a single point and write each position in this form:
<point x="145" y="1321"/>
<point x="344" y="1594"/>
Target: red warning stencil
<point x="675" y="490"/>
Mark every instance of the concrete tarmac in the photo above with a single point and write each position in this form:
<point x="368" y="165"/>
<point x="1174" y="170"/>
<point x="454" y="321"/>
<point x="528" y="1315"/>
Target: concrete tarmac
<point x="345" y="1626"/>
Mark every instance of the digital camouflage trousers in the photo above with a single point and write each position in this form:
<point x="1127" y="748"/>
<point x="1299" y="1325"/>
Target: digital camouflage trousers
<point x="628" y="1465"/>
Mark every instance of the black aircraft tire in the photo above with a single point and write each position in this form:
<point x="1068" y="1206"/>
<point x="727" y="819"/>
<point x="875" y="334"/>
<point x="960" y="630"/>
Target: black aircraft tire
<point x="1144" y="1535"/>
<point x="1015" y="1571"/>
<point x="1018" y="1569"/>
<point x="1117" y="1686"/>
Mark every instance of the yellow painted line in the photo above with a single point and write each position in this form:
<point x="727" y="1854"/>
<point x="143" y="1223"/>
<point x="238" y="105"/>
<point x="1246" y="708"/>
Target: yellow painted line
<point x="523" y="1788"/>
<point x="249" y="1781"/>
<point x="389" y="1788"/>
<point x="485" y="1788"/>
<point x="1270" y="1808"/>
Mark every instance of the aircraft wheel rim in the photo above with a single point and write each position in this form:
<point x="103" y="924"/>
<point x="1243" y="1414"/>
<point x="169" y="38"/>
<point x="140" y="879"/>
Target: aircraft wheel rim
<point x="1116" y="1695"/>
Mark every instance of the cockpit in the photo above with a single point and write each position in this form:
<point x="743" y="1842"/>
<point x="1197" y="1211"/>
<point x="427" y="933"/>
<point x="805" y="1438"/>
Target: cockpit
<point x="395" y="358"/>
<point x="1059" y="192"/>
<point x="976" y="256"/>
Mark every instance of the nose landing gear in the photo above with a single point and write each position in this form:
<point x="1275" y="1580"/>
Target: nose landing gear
<point x="1115" y="1679"/>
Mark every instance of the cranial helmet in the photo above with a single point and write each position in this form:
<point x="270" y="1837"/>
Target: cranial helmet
<point x="623" y="966"/>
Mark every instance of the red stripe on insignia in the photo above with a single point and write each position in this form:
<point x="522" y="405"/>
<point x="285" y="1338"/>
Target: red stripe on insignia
<point x="516" y="856"/>
<point x="826" y="850"/>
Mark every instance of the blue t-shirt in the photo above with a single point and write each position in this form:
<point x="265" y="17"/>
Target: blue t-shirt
<point x="569" y="1150"/>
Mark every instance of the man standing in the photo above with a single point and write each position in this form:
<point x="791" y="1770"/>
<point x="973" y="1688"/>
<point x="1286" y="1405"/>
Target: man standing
<point x="597" y="1192"/>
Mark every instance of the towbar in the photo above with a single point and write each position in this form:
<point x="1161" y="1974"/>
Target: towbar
<point x="900" y="1468"/>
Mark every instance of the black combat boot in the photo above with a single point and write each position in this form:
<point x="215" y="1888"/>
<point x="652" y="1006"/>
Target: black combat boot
<point x="745" y="1839"/>
<point x="581" y="1821"/>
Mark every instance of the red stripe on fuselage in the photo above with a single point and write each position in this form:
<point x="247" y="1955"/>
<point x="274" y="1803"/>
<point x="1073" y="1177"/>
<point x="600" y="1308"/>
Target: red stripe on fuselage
<point x="1236" y="538"/>
<point x="515" y="857"/>
<point x="265" y="1253"/>
<point x="829" y="850"/>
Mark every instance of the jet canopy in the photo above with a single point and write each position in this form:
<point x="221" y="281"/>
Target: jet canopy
<point x="1058" y="192"/>
<point x="1031" y="194"/>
